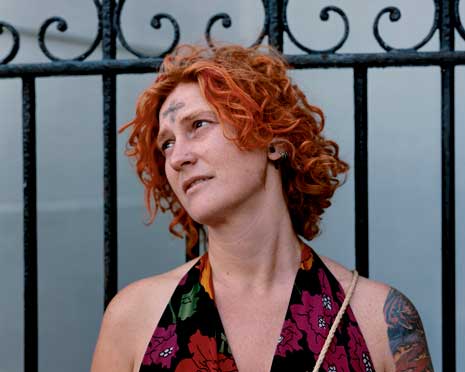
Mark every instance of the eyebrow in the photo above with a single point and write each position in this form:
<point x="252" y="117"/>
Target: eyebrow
<point x="189" y="117"/>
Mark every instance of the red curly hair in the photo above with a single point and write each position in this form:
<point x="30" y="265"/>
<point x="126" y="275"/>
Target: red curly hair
<point x="249" y="89"/>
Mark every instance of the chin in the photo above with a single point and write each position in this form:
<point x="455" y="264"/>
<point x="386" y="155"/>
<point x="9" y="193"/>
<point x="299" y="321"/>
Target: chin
<point x="207" y="217"/>
<point x="207" y="212"/>
<point x="214" y="207"/>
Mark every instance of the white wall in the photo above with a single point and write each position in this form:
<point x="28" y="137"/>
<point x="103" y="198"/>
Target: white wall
<point x="404" y="166"/>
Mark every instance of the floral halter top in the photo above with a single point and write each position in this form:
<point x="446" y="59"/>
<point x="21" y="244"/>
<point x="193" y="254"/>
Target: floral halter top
<point x="190" y="336"/>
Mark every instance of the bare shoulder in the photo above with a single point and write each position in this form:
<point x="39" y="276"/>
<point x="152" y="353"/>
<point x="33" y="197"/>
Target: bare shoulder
<point x="390" y="323"/>
<point x="130" y="319"/>
<point x="368" y="292"/>
<point x="367" y="305"/>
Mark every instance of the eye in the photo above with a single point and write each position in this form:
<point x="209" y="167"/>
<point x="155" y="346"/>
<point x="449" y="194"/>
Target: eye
<point x="199" y="123"/>
<point x="164" y="145"/>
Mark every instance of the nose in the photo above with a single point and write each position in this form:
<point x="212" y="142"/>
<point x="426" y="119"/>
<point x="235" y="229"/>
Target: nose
<point x="181" y="155"/>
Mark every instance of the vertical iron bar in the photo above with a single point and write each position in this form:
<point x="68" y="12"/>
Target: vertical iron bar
<point x="446" y="35"/>
<point x="361" y="170"/>
<point x="109" y="159"/>
<point x="30" y="226"/>
<point x="276" y="24"/>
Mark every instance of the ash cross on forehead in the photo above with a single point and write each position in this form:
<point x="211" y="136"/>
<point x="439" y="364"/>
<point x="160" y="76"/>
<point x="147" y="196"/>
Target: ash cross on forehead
<point x="172" y="109"/>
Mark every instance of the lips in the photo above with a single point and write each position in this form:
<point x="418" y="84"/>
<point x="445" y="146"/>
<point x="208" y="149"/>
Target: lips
<point x="194" y="181"/>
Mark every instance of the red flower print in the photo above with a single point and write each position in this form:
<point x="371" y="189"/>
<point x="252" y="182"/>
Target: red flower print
<point x="335" y="359"/>
<point x="310" y="318"/>
<point x="325" y="287"/>
<point x="289" y="339"/>
<point x="205" y="357"/>
<point x="162" y="347"/>
<point x="183" y="280"/>
<point x="359" y="357"/>
<point x="330" y="306"/>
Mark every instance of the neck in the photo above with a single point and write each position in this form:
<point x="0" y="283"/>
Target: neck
<point x="249" y="255"/>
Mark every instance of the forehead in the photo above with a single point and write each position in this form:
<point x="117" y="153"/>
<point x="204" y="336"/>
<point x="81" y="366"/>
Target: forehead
<point x="185" y="97"/>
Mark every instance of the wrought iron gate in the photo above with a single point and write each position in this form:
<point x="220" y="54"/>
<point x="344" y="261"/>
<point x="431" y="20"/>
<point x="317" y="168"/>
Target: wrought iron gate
<point x="446" y="22"/>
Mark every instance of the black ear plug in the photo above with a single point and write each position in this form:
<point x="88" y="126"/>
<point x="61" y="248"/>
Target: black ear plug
<point x="272" y="149"/>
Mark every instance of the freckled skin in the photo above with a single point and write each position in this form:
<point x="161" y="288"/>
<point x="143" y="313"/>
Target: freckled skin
<point x="406" y="335"/>
<point x="239" y="182"/>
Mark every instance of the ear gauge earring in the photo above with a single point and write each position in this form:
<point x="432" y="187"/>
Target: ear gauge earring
<point x="284" y="155"/>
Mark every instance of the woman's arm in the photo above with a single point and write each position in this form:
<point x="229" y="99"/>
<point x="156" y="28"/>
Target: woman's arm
<point x="130" y="319"/>
<point x="113" y="351"/>
<point x="406" y="335"/>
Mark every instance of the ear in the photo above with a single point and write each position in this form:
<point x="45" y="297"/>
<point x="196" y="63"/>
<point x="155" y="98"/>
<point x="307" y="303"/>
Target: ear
<point x="275" y="149"/>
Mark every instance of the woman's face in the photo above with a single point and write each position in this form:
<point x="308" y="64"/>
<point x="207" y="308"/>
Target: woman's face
<point x="229" y="181"/>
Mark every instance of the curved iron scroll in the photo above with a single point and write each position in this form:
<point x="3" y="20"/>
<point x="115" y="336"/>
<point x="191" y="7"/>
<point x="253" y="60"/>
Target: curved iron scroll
<point x="458" y="21"/>
<point x="394" y="16"/>
<point x="226" y="23"/>
<point x="324" y="16"/>
<point x="62" y="26"/>
<point x="15" y="47"/>
<point x="155" y="23"/>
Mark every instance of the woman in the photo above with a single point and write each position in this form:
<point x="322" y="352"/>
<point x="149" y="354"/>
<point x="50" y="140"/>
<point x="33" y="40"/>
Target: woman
<point x="223" y="139"/>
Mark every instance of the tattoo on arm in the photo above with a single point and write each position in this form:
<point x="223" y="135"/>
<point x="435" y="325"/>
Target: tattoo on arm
<point x="406" y="335"/>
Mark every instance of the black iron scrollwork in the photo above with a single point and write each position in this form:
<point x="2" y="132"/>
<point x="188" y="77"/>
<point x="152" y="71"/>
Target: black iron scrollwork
<point x="458" y="21"/>
<point x="394" y="16"/>
<point x="15" y="47"/>
<point x="265" y="26"/>
<point x="62" y="26"/>
<point x="324" y="16"/>
<point x="155" y="23"/>
<point x="226" y="22"/>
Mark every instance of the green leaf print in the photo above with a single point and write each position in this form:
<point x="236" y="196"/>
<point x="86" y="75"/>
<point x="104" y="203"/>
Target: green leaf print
<point x="224" y="344"/>
<point x="189" y="302"/>
<point x="173" y="315"/>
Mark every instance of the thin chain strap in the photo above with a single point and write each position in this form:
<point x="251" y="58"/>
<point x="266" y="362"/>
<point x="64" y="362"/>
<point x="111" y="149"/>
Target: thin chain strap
<point x="336" y="321"/>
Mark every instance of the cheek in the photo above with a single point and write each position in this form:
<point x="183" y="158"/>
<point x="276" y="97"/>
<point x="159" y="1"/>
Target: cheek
<point x="171" y="177"/>
<point x="244" y="167"/>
